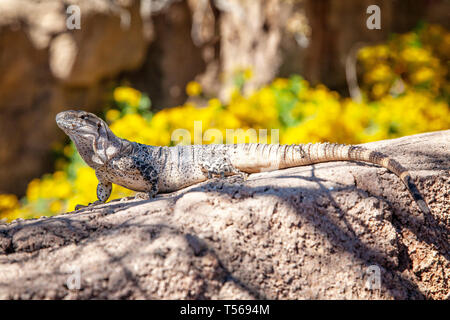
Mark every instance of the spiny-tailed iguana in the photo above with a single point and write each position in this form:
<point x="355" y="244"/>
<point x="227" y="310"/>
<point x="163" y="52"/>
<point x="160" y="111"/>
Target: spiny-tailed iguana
<point x="153" y="169"/>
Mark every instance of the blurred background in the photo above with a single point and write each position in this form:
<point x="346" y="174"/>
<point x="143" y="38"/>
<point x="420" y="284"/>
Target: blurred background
<point x="312" y="69"/>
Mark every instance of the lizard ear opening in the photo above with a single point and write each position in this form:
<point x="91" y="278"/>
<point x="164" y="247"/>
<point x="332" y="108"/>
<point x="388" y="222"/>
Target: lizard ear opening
<point x="100" y="144"/>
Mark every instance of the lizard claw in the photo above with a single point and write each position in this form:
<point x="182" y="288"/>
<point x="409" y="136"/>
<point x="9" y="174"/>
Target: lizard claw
<point x="244" y="175"/>
<point x="81" y="206"/>
<point x="144" y="196"/>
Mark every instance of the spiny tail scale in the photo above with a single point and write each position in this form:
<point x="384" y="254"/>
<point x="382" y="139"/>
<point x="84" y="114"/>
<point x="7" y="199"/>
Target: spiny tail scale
<point x="267" y="157"/>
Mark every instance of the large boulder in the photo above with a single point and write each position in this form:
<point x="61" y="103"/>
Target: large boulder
<point x="337" y="230"/>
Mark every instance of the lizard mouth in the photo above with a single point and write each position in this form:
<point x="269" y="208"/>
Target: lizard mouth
<point x="66" y="121"/>
<point x="60" y="119"/>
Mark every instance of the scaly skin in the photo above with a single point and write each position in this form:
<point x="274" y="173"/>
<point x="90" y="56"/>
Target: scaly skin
<point x="152" y="169"/>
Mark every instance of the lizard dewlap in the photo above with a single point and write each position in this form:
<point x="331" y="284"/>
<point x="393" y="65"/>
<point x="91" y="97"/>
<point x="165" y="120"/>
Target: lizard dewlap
<point x="153" y="169"/>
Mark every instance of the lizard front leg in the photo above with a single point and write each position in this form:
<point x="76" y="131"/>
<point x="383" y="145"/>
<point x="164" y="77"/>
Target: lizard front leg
<point x="104" y="189"/>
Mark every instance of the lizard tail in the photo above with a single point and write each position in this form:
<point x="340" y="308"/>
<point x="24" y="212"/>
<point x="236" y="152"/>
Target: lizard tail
<point x="324" y="152"/>
<point x="273" y="157"/>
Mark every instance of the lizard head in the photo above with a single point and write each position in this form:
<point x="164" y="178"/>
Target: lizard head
<point x="94" y="140"/>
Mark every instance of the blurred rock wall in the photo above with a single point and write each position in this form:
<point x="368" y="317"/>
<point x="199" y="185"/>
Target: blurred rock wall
<point x="45" y="68"/>
<point x="158" y="46"/>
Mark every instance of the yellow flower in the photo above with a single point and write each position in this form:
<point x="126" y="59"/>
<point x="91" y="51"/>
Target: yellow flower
<point x="280" y="83"/>
<point x="415" y="55"/>
<point x="55" y="206"/>
<point x="422" y="75"/>
<point x="33" y="190"/>
<point x="193" y="88"/>
<point x="8" y="201"/>
<point x="130" y="127"/>
<point x="85" y="187"/>
<point x="379" y="89"/>
<point x="380" y="72"/>
<point x="60" y="164"/>
<point x="62" y="186"/>
<point x="127" y="95"/>
<point x="228" y="120"/>
<point x="381" y="51"/>
<point x="248" y="74"/>
<point x="214" y="103"/>
<point x="68" y="151"/>
<point x="112" y="115"/>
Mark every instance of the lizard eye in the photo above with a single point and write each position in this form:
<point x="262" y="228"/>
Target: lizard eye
<point x="83" y="117"/>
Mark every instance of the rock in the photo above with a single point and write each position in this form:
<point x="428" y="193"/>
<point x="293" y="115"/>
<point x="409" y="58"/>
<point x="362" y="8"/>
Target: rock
<point x="315" y="232"/>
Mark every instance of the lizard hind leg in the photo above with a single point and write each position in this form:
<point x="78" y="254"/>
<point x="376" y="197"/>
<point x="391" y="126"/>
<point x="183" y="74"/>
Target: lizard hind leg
<point x="147" y="195"/>
<point x="223" y="171"/>
<point x="242" y="174"/>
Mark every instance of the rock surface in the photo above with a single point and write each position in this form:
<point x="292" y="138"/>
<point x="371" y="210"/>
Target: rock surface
<point x="313" y="232"/>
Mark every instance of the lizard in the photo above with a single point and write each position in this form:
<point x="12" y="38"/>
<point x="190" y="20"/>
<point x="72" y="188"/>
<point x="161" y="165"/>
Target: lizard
<point x="153" y="169"/>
